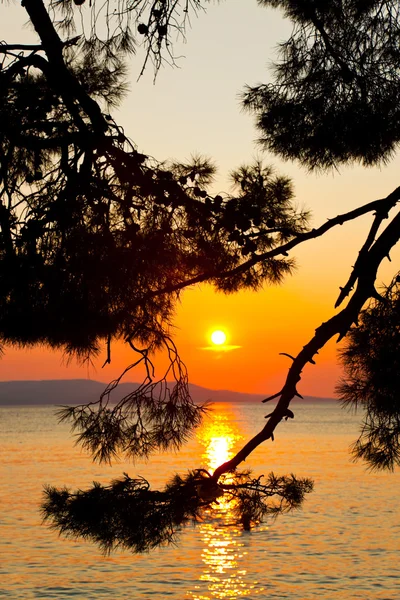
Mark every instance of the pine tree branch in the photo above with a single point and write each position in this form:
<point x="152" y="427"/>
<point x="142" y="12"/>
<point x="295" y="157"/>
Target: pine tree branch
<point x="67" y="84"/>
<point x="347" y="73"/>
<point x="6" y="48"/>
<point x="338" y="325"/>
<point x="381" y="206"/>
<point x="345" y="291"/>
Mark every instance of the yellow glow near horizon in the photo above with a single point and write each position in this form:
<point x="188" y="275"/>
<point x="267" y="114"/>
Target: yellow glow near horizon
<point x="218" y="337"/>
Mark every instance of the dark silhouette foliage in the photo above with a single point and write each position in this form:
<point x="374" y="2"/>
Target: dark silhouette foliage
<point x="127" y="514"/>
<point x="158" y="415"/>
<point x="371" y="360"/>
<point x="335" y="94"/>
<point x="95" y="237"/>
<point x="98" y="239"/>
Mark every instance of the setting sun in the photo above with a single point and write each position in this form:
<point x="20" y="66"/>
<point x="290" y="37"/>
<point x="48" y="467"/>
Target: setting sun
<point x="218" y="337"/>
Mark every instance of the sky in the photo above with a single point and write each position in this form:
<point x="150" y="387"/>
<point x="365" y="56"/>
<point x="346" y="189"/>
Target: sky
<point x="195" y="108"/>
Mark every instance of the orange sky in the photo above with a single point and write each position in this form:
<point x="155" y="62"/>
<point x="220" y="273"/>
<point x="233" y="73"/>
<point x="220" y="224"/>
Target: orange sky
<point x="196" y="109"/>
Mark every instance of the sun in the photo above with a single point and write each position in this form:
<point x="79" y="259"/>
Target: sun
<point x="218" y="337"/>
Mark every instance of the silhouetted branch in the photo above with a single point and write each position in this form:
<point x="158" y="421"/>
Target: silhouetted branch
<point x="284" y="354"/>
<point x="5" y="48"/>
<point x="65" y="81"/>
<point x="337" y="325"/>
<point x="127" y="514"/>
<point x="381" y="214"/>
<point x="272" y="397"/>
<point x="382" y="206"/>
<point x="157" y="415"/>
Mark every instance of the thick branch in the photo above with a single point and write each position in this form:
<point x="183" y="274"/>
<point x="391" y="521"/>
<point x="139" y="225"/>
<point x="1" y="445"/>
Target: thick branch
<point x="4" y="48"/>
<point x="338" y="324"/>
<point x="381" y="214"/>
<point x="67" y="84"/>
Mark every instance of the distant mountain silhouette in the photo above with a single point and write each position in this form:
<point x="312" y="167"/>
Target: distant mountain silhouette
<point x="82" y="391"/>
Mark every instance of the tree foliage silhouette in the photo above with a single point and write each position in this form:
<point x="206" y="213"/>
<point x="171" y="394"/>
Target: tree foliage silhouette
<point x="339" y="72"/>
<point x="371" y="364"/>
<point x="127" y="514"/>
<point x="97" y="240"/>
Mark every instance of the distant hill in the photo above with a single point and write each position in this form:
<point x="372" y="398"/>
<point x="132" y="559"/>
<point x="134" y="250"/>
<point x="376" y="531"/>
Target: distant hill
<point x="82" y="391"/>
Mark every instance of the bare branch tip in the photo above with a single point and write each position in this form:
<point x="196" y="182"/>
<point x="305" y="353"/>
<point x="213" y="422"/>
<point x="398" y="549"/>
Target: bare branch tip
<point x="272" y="397"/>
<point x="286" y="354"/>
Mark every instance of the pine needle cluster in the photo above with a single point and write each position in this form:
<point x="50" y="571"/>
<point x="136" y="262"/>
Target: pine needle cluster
<point x="129" y="515"/>
<point x="335" y="94"/>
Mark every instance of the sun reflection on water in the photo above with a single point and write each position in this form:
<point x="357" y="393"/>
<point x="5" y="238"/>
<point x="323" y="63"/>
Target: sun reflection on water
<point x="218" y="435"/>
<point x="223" y="554"/>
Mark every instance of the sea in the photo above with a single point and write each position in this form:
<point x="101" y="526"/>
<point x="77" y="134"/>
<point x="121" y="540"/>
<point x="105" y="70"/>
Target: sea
<point x="343" y="544"/>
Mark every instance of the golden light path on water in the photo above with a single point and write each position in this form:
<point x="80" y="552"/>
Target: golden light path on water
<point x="223" y="554"/>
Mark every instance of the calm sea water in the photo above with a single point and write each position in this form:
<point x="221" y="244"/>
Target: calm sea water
<point x="343" y="544"/>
